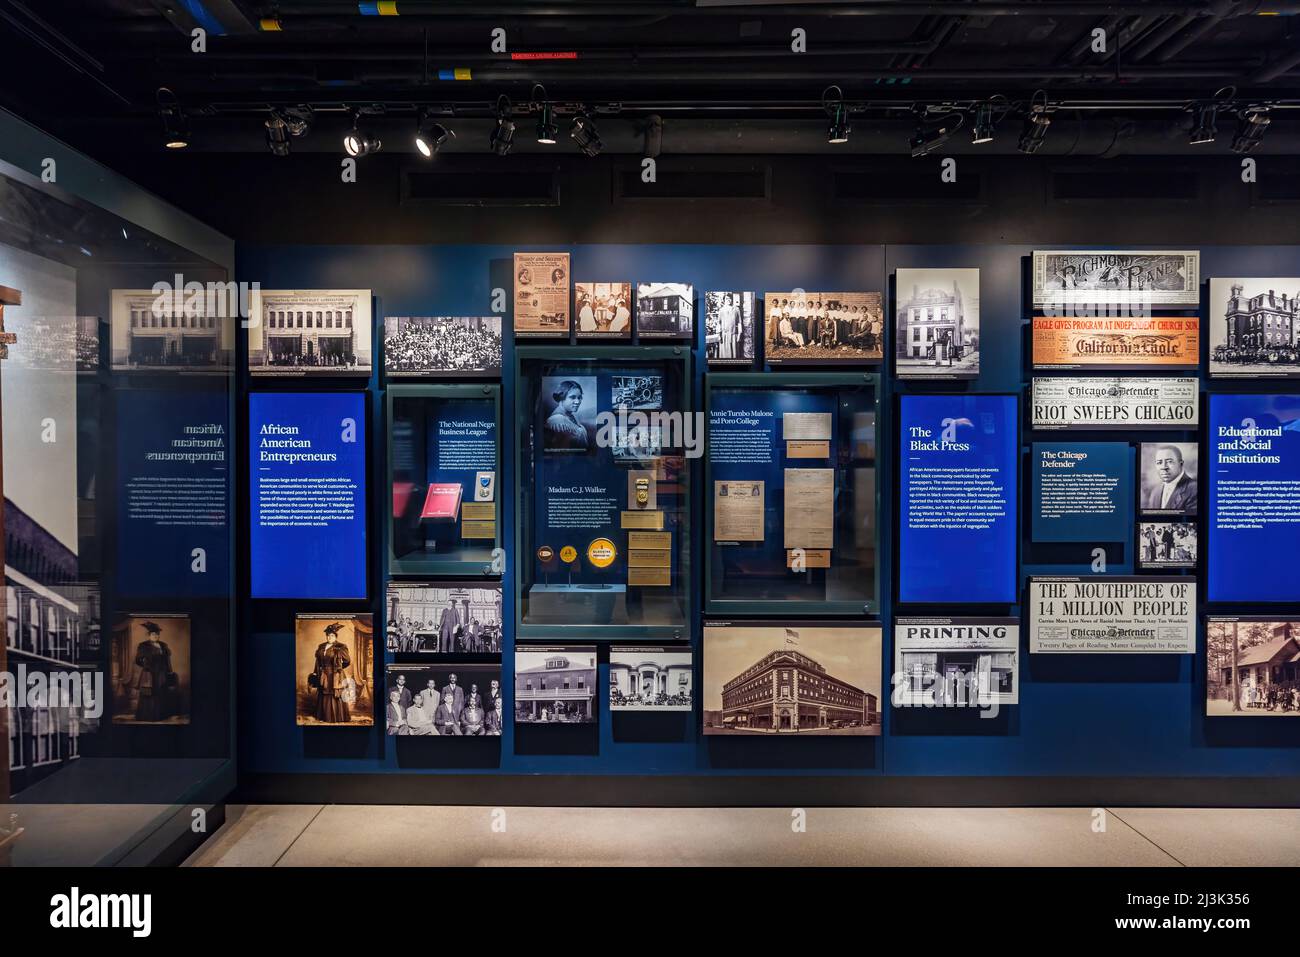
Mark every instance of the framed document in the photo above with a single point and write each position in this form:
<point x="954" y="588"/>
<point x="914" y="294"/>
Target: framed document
<point x="738" y="511"/>
<point x="1131" y="277"/>
<point x="809" y="508"/>
<point x="542" y="295"/>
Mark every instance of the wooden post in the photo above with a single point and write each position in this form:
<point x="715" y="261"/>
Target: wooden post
<point x="8" y="833"/>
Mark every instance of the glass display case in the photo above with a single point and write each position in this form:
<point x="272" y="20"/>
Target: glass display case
<point x="444" y="456"/>
<point x="602" y="543"/>
<point x="117" y="531"/>
<point x="790" y="473"/>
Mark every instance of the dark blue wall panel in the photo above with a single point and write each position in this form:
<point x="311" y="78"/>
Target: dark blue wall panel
<point x="1102" y="715"/>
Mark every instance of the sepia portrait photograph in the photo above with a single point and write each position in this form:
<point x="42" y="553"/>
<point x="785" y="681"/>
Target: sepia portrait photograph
<point x="937" y="333"/>
<point x="603" y="310"/>
<point x="812" y="328"/>
<point x="779" y="678"/>
<point x="1254" y="328"/>
<point x="1252" y="667"/>
<point x="729" y="328"/>
<point x="665" y="310"/>
<point x="1166" y="545"/>
<point x="650" y="679"/>
<point x="442" y="346"/>
<point x="335" y="665"/>
<point x="443" y="618"/>
<point x="451" y="699"/>
<point x="1169" y="478"/>
<point x="151" y="669"/>
<point x="555" y="684"/>
<point x="568" y="408"/>
<point x="310" y="332"/>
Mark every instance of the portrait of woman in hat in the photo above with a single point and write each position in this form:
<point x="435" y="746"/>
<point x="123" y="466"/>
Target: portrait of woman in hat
<point x="332" y="662"/>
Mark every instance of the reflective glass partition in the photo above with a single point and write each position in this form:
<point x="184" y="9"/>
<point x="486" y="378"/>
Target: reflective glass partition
<point x="791" y="517"/>
<point x="115" y="408"/>
<point x="603" y="536"/>
<point x="444" y="461"/>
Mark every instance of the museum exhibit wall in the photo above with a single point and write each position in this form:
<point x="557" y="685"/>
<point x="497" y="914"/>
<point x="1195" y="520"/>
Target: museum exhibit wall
<point x="1111" y="716"/>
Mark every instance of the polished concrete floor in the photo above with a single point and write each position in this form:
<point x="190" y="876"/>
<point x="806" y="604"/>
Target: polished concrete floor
<point x="352" y="835"/>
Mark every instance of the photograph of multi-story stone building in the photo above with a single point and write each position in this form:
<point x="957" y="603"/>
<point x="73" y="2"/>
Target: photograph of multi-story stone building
<point x="938" y="323"/>
<point x="156" y="333"/>
<point x="778" y="678"/>
<point x="1254" y="327"/>
<point x="650" y="679"/>
<point x="310" y="332"/>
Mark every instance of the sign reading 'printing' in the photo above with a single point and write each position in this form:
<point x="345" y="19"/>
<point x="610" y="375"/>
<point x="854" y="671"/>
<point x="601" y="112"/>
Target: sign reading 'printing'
<point x="1121" y="614"/>
<point x="1115" y="403"/>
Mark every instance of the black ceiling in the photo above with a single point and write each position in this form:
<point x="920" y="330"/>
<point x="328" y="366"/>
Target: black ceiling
<point x="89" y="70"/>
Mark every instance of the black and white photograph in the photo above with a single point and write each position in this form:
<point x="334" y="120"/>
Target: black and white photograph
<point x="650" y="679"/>
<point x="442" y="346"/>
<point x="792" y="678"/>
<point x="603" y="310"/>
<point x="1136" y="278"/>
<point x="665" y="310"/>
<point x="151" y="672"/>
<point x="729" y="328"/>
<point x="555" y="684"/>
<point x="634" y="392"/>
<point x="448" y="699"/>
<point x="637" y="443"/>
<point x="443" y="618"/>
<point x="1168" y="482"/>
<point x="823" y="328"/>
<point x="956" y="662"/>
<point x="1252" y="667"/>
<point x="88" y="343"/>
<point x="937" y="332"/>
<point x="1164" y="545"/>
<point x="1254" y="328"/>
<point x="310" y="332"/>
<point x="159" y="332"/>
<point x="568" y="409"/>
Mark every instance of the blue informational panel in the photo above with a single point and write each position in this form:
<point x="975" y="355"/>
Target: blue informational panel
<point x="173" y="493"/>
<point x="1083" y="491"/>
<point x="958" y="498"/>
<point x="307" y="494"/>
<point x="1253" y="463"/>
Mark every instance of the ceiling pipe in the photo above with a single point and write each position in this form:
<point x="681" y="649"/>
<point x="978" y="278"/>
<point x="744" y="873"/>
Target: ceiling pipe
<point x="288" y="12"/>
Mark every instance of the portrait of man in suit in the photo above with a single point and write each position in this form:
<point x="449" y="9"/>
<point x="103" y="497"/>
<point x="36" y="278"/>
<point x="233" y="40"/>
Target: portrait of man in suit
<point x="1169" y="477"/>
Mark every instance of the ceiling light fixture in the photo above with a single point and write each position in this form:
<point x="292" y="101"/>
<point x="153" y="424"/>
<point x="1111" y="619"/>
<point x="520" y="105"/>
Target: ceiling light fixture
<point x="430" y="135"/>
<point x="1252" y="124"/>
<point x="987" y="117"/>
<point x="1036" y="125"/>
<point x="176" y="127"/>
<point x="584" y="133"/>
<point x="357" y="142"/>
<point x="547" y="131"/>
<point x="932" y="133"/>
<point x="284" y="125"/>
<point x="503" y="134"/>
<point x="839" y="113"/>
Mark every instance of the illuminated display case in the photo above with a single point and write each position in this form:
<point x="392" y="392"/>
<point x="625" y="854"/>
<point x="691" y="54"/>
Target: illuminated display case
<point x="791" y="521"/>
<point x="605" y="440"/>
<point x="444" y="494"/>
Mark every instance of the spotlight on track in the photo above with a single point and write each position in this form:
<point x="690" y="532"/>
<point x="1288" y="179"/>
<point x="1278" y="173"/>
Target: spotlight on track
<point x="430" y="135"/>
<point x="358" y="142"/>
<point x="176" y="127"/>
<point x="584" y="133"/>
<point x="833" y="104"/>
<point x="1206" y="114"/>
<point x="1037" y="122"/>
<point x="503" y="134"/>
<point x="933" y="133"/>
<point x="1252" y="124"/>
<point x="987" y="117"/>
<point x="547" y="131"/>
<point x="285" y="125"/>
